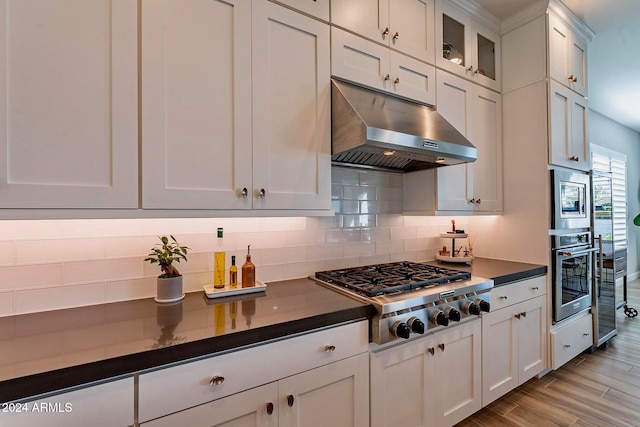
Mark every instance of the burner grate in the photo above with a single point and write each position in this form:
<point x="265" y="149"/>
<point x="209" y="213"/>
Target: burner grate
<point x="404" y="276"/>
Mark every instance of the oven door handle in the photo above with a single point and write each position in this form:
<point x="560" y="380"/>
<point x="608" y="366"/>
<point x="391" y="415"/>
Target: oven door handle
<point x="578" y="253"/>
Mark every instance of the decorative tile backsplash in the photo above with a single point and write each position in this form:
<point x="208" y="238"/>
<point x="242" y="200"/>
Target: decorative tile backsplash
<point x="46" y="265"/>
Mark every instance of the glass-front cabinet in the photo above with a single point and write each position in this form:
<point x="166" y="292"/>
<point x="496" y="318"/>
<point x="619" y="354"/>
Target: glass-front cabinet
<point x="466" y="48"/>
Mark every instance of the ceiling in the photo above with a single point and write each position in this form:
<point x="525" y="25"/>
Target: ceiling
<point x="614" y="52"/>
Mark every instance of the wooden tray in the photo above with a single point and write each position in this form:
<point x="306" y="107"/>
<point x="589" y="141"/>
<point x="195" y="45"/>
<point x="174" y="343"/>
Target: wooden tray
<point x="211" y="292"/>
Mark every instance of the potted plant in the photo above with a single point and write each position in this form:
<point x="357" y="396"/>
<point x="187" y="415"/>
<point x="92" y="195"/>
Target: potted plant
<point x="169" y="283"/>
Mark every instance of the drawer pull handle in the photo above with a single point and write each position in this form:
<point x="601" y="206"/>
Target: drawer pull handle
<point x="217" y="380"/>
<point x="290" y="400"/>
<point x="504" y="298"/>
<point x="431" y="350"/>
<point x="567" y="346"/>
<point x="269" y="408"/>
<point x="441" y="346"/>
<point x="330" y="348"/>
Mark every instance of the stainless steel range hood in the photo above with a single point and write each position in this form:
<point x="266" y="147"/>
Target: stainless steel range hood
<point x="377" y="130"/>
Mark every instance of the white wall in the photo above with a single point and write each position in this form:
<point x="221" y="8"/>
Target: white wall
<point x="47" y="265"/>
<point x="612" y="135"/>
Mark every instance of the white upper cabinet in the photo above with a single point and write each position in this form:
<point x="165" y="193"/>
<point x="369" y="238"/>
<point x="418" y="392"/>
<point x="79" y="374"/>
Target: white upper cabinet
<point x="235" y="106"/>
<point x="317" y="8"/>
<point x="69" y="110"/>
<point x="196" y="104"/>
<point x="291" y="83"/>
<point x="362" y="61"/>
<point x="475" y="187"/>
<point x="466" y="48"/>
<point x="404" y="25"/>
<point x="569" y="137"/>
<point x="567" y="56"/>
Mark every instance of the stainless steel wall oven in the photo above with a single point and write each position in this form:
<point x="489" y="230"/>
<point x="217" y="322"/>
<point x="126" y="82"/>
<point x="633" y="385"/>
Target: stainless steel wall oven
<point x="572" y="259"/>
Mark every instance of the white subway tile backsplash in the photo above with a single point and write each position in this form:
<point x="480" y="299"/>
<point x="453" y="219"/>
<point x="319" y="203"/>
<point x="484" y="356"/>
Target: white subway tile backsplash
<point x="46" y="265"/>
<point x="34" y="300"/>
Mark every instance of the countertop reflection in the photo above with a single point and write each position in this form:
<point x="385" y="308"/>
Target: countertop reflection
<point x="43" y="352"/>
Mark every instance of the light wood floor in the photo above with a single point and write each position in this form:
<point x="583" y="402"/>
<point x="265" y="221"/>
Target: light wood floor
<point x="594" y="389"/>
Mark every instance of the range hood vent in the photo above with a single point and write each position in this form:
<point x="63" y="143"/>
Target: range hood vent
<point x="381" y="131"/>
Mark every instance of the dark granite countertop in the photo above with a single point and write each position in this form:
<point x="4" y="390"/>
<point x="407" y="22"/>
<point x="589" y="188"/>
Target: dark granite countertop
<point x="502" y="272"/>
<point x="54" y="350"/>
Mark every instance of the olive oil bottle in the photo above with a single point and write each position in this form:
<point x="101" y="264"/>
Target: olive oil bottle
<point x="248" y="271"/>
<point x="218" y="262"/>
<point x="233" y="273"/>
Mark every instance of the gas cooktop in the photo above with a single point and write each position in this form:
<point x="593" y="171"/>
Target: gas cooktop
<point x="395" y="277"/>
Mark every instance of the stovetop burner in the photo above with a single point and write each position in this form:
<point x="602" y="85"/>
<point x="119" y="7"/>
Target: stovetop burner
<point x="395" y="277"/>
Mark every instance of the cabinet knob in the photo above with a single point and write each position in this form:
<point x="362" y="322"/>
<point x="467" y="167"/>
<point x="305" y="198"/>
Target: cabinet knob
<point x="504" y="297"/>
<point x="431" y="350"/>
<point x="330" y="348"/>
<point x="244" y="193"/>
<point x="290" y="400"/>
<point x="586" y="334"/>
<point x="572" y="78"/>
<point x="478" y="201"/>
<point x="441" y="346"/>
<point x="470" y="68"/>
<point x="574" y="158"/>
<point x="217" y="380"/>
<point x="567" y="346"/>
<point x="262" y="193"/>
<point x="396" y="81"/>
<point x="535" y="288"/>
<point x="269" y="408"/>
<point x="385" y="32"/>
<point x="517" y="316"/>
<point x="524" y="314"/>
<point x="396" y="36"/>
<point x="472" y="201"/>
<point x="387" y="78"/>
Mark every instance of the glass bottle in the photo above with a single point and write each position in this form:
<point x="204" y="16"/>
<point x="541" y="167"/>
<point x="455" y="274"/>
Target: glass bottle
<point x="248" y="271"/>
<point x="233" y="273"/>
<point x="218" y="262"/>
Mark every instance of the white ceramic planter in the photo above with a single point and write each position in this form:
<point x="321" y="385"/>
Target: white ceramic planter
<point x="169" y="289"/>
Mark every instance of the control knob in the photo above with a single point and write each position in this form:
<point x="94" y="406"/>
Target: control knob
<point x="400" y="330"/>
<point x="440" y="318"/>
<point x="484" y="305"/>
<point x="471" y="308"/>
<point x="416" y="325"/>
<point x="452" y="314"/>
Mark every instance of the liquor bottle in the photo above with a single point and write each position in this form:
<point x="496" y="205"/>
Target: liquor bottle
<point x="218" y="262"/>
<point x="233" y="273"/>
<point x="248" y="271"/>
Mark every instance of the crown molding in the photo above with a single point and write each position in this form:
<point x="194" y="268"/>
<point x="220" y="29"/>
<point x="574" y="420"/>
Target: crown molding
<point x="479" y="14"/>
<point x="569" y="18"/>
<point x="525" y="15"/>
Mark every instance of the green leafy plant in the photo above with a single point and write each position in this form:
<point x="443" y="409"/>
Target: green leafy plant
<point x="165" y="254"/>
<point x="636" y="220"/>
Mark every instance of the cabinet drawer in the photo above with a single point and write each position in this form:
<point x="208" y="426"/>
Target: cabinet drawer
<point x="507" y="295"/>
<point x="173" y="389"/>
<point x="569" y="341"/>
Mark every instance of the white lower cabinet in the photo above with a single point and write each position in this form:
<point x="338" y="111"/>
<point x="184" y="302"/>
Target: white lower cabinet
<point x="292" y="381"/>
<point x="299" y="400"/>
<point x="570" y="339"/>
<point x="514" y="347"/>
<point x="433" y="381"/>
<point x="108" y="404"/>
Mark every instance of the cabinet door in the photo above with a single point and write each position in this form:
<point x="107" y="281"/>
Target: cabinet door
<point x="569" y="144"/>
<point x="196" y="104"/>
<point x="69" y="105"/>
<point x="532" y="338"/>
<point x="359" y="60"/>
<point x="369" y="18"/>
<point x="453" y="29"/>
<point x="412" y="78"/>
<point x="411" y="25"/>
<point x="108" y="404"/>
<point x="332" y="395"/>
<point x="567" y="56"/>
<point x="291" y="110"/>
<point x="454" y="102"/>
<point x="251" y="408"/>
<point x="499" y="354"/>
<point x="486" y="48"/>
<point x="486" y="135"/>
<point x="456" y="367"/>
